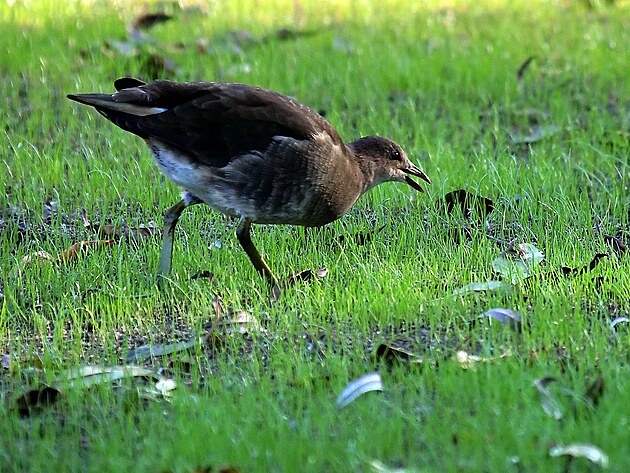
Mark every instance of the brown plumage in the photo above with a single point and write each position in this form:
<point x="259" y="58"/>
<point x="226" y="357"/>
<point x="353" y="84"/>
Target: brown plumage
<point x="251" y="153"/>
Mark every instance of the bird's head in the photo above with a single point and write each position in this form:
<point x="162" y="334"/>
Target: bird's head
<point x="382" y="160"/>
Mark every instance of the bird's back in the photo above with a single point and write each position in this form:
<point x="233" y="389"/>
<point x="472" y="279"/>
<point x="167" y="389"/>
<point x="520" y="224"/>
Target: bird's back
<point x="213" y="122"/>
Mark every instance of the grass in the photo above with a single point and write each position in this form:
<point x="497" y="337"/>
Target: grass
<point x="439" y="79"/>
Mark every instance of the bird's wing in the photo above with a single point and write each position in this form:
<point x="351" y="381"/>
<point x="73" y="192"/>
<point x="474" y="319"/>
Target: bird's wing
<point x="212" y="122"/>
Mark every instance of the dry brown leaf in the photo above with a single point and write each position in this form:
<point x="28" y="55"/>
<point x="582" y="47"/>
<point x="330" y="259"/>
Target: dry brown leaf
<point x="71" y="254"/>
<point x="81" y="248"/>
<point x="390" y="354"/>
<point x="39" y="256"/>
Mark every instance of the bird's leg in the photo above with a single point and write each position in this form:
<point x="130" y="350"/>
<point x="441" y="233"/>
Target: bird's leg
<point x="171" y="216"/>
<point x="244" y="238"/>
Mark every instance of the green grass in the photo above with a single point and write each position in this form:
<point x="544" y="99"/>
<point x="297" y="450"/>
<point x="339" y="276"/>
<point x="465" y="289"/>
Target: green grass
<point x="439" y="79"/>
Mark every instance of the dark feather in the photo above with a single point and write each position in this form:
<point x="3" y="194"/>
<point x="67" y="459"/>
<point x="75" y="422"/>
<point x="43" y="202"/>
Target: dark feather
<point x="213" y="122"/>
<point x="127" y="83"/>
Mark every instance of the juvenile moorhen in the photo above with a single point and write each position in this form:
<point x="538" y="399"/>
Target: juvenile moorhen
<point x="250" y="153"/>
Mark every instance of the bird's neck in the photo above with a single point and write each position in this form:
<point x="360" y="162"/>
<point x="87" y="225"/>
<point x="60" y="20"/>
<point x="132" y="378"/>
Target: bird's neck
<point x="360" y="158"/>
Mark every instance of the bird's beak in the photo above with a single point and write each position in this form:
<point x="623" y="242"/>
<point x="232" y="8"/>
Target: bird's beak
<point x="415" y="171"/>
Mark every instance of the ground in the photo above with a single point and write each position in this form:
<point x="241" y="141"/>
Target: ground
<point x="519" y="112"/>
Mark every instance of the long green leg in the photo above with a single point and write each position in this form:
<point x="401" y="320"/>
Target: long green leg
<point x="171" y="216"/>
<point x="245" y="239"/>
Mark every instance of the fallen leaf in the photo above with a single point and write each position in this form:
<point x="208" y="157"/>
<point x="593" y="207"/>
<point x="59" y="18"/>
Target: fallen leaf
<point x="144" y="352"/>
<point x="304" y="276"/>
<point x="486" y="286"/>
<point x="379" y="467"/>
<point x="506" y="317"/>
<point x="91" y="375"/>
<point x="204" y="274"/>
<point x="595" y="390"/>
<point x="361" y="239"/>
<point x="34" y="400"/>
<point x="39" y="256"/>
<point x="470" y="204"/>
<point x="549" y="403"/>
<point x="81" y="248"/>
<point x="391" y="354"/>
<point x="581" y="450"/>
<point x="286" y="33"/>
<point x="154" y="66"/>
<point x="354" y="389"/>
<point x="618" y="246"/>
<point x="523" y="67"/>
<point x="209" y="469"/>
<point x="618" y="320"/>
<point x="469" y="361"/>
<point x="112" y="231"/>
<point x="517" y="262"/>
<point x="149" y="20"/>
<point x="71" y="254"/>
<point x="584" y="269"/>
<point x="239" y="321"/>
<point x="125" y="48"/>
<point x="538" y="133"/>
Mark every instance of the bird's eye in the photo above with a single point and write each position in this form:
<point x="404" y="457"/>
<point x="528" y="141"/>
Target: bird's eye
<point x="396" y="155"/>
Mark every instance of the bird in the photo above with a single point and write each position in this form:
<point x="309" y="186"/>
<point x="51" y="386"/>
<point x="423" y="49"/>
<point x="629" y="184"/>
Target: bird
<point x="250" y="153"/>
